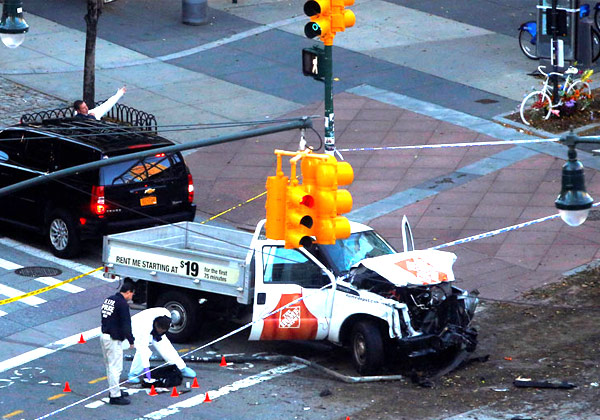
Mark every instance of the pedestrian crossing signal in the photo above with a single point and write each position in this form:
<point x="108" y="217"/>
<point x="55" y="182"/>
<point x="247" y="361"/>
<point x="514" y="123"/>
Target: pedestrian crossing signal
<point x="312" y="62"/>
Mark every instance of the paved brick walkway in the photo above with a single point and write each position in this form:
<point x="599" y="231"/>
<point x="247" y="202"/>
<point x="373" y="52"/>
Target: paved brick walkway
<point x="16" y="100"/>
<point x="500" y="267"/>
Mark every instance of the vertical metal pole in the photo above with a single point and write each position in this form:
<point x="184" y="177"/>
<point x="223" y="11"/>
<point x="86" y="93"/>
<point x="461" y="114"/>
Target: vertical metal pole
<point x="329" y="118"/>
<point x="554" y="30"/>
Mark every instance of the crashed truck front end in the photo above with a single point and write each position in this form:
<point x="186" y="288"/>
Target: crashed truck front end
<point x="428" y="314"/>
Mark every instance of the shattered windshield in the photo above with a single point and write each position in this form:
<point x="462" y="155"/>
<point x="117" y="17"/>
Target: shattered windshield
<point x="360" y="245"/>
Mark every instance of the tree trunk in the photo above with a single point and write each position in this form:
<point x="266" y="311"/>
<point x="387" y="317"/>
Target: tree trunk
<point x="94" y="10"/>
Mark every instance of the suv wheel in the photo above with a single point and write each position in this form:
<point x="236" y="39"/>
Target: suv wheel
<point x="62" y="234"/>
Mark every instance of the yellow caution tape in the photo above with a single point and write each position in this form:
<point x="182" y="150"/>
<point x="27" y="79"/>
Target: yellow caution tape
<point x="234" y="207"/>
<point x="45" y="289"/>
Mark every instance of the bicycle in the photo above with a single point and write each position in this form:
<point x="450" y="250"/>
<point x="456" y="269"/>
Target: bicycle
<point x="528" y="34"/>
<point x="539" y="104"/>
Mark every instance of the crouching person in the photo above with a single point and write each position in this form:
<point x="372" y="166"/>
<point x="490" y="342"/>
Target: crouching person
<point x="149" y="328"/>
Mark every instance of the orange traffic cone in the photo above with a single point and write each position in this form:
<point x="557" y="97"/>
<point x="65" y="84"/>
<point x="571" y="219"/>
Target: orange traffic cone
<point x="152" y="391"/>
<point x="67" y="387"/>
<point x="195" y="383"/>
<point x="81" y="340"/>
<point x="207" y="398"/>
<point x="174" y="393"/>
<point x="223" y="362"/>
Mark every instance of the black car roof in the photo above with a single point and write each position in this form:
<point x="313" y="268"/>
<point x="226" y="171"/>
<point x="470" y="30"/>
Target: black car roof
<point x="107" y="137"/>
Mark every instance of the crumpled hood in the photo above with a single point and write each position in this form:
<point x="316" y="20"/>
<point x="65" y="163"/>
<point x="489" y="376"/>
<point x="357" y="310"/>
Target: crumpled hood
<point x="422" y="267"/>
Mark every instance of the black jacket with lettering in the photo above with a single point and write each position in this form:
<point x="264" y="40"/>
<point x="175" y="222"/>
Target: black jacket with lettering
<point x="116" y="319"/>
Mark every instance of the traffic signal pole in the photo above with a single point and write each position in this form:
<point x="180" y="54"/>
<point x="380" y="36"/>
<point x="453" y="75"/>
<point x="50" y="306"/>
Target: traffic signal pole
<point x="327" y="17"/>
<point x="329" y="116"/>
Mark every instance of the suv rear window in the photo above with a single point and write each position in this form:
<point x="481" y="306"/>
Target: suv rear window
<point x="159" y="166"/>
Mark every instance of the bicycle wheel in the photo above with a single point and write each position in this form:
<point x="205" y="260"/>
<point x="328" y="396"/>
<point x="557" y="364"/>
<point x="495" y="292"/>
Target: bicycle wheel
<point x="577" y="89"/>
<point x="535" y="107"/>
<point x="527" y="45"/>
<point x="595" y="45"/>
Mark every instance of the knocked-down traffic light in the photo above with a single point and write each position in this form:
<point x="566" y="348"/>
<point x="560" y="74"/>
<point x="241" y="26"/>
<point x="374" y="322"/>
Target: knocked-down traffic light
<point x="331" y="202"/>
<point x="297" y="213"/>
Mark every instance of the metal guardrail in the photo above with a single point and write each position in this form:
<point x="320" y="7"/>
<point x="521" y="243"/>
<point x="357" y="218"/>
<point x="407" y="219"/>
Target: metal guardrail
<point x="120" y="114"/>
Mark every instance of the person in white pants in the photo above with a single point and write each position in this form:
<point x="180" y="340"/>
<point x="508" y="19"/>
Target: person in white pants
<point x="149" y="327"/>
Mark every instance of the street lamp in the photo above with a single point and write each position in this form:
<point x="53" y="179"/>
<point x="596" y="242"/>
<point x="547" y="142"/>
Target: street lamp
<point x="13" y="26"/>
<point x="573" y="202"/>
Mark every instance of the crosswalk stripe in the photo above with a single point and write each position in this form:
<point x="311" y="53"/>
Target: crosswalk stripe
<point x="12" y="292"/>
<point x="51" y="281"/>
<point x="9" y="265"/>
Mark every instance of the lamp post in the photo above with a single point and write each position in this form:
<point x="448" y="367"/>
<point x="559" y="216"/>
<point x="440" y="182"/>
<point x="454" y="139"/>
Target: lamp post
<point x="13" y="26"/>
<point x="573" y="202"/>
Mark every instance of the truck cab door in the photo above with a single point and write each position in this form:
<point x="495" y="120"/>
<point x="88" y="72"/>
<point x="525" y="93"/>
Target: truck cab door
<point x="281" y="277"/>
<point x="407" y="237"/>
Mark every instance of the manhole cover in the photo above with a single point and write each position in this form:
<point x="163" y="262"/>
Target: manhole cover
<point x="38" y="272"/>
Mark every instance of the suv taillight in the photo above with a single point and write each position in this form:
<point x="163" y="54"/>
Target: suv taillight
<point x="190" y="189"/>
<point x="97" y="205"/>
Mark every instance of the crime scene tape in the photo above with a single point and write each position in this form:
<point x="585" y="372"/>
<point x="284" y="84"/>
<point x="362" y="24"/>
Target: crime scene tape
<point x="233" y="208"/>
<point x="47" y="288"/>
<point x="501" y="230"/>
<point x="448" y="145"/>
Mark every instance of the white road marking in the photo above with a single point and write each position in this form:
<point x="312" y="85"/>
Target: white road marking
<point x="227" y="389"/>
<point x="9" y="265"/>
<point x="2" y="313"/>
<point x="80" y="268"/>
<point x="95" y="404"/>
<point x="12" y="292"/>
<point x="51" y="281"/>
<point x="47" y="349"/>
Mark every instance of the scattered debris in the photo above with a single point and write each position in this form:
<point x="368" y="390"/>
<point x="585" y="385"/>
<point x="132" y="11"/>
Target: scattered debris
<point x="325" y="393"/>
<point x="529" y="383"/>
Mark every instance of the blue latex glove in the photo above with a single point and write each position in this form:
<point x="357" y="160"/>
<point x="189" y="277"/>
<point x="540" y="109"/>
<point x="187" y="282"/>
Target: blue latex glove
<point x="147" y="373"/>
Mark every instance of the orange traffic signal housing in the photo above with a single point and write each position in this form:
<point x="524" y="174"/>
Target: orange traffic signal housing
<point x="298" y="212"/>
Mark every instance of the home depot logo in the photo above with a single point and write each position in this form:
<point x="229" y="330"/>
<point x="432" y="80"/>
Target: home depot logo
<point x="422" y="270"/>
<point x="290" y="317"/>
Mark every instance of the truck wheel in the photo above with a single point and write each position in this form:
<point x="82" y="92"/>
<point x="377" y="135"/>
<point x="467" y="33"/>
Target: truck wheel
<point x="184" y="315"/>
<point x="62" y="234"/>
<point x="367" y="347"/>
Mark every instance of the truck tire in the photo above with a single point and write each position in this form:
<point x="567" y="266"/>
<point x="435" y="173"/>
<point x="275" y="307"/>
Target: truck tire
<point x="367" y="347"/>
<point x="62" y="234"/>
<point x="185" y="315"/>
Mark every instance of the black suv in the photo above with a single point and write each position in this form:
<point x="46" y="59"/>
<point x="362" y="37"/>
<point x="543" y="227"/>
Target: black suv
<point x="128" y="195"/>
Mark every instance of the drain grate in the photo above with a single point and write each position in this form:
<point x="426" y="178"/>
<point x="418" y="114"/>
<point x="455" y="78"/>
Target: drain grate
<point x="38" y="272"/>
<point x="486" y="101"/>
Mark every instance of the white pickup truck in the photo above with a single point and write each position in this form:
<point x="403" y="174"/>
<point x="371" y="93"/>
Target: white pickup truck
<point x="358" y="292"/>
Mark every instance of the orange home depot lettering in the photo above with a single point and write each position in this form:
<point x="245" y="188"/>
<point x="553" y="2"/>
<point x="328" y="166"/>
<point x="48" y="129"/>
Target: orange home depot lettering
<point x="422" y="270"/>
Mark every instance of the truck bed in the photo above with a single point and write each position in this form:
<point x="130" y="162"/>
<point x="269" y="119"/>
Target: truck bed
<point x="185" y="254"/>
